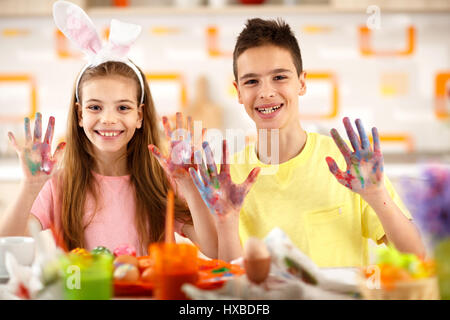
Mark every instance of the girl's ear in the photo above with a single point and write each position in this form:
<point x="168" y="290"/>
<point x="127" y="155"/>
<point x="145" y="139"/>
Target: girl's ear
<point x="140" y="116"/>
<point x="302" y="79"/>
<point x="79" y="113"/>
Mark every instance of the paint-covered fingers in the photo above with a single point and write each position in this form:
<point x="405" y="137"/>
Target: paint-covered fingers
<point x="354" y="140"/>
<point x="37" y="128"/>
<point x="376" y="141"/>
<point x="334" y="169"/>
<point x="211" y="164"/>
<point x="197" y="181"/>
<point x="251" y="179"/>
<point x="155" y="151"/>
<point x="13" y="141"/>
<point x="345" y="150"/>
<point x="224" y="166"/>
<point x="167" y="129"/>
<point x="57" y="155"/>
<point x="27" y="128"/>
<point x="365" y="143"/>
<point x="50" y="129"/>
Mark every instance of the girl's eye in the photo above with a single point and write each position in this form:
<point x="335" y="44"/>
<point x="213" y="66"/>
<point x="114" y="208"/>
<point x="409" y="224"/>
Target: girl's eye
<point x="94" y="108"/>
<point x="124" y="108"/>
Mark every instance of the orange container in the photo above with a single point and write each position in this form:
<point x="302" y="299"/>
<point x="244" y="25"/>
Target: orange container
<point x="174" y="265"/>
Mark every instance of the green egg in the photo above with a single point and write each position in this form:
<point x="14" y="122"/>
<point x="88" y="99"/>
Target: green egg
<point x="101" y="250"/>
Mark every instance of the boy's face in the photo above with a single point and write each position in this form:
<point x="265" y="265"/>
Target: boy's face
<point x="268" y="86"/>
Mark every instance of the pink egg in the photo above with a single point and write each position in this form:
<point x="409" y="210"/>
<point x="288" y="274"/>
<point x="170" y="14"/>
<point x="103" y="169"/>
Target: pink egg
<point x="125" y="249"/>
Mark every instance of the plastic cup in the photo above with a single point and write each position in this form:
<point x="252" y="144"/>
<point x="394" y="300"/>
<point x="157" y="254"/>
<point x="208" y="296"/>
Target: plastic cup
<point x="88" y="278"/>
<point x="174" y="265"/>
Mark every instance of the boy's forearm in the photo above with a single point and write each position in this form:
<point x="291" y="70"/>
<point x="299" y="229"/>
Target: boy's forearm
<point x="230" y="247"/>
<point x="202" y="218"/>
<point x="398" y="228"/>
<point x="14" y="221"/>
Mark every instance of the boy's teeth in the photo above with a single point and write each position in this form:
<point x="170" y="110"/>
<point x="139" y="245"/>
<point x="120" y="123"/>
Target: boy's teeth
<point x="268" y="110"/>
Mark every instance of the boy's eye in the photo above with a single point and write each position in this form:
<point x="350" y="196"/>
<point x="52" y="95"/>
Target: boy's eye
<point x="251" y="81"/>
<point x="280" y="77"/>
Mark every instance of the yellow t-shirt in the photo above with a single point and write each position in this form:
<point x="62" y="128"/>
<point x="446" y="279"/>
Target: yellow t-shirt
<point x="327" y="221"/>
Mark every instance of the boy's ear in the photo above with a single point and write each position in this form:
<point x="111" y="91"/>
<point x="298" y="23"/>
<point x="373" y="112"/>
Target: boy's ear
<point x="238" y="92"/>
<point x="80" y="114"/>
<point x="140" y="116"/>
<point x="302" y="79"/>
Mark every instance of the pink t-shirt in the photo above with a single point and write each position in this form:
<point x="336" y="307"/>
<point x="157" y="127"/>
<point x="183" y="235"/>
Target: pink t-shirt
<point x="112" y="225"/>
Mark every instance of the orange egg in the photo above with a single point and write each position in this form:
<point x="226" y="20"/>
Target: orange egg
<point x="126" y="259"/>
<point x="144" y="263"/>
<point x="126" y="272"/>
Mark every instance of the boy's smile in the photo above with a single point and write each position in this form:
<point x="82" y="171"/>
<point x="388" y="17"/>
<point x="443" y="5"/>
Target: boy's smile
<point x="269" y="87"/>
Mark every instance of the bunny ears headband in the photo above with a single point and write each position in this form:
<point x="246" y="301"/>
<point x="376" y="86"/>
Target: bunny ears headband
<point x="76" y="25"/>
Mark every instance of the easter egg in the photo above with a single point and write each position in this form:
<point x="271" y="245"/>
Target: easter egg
<point x="144" y="263"/>
<point x="256" y="260"/>
<point x="126" y="272"/>
<point x="101" y="250"/>
<point x="81" y="252"/>
<point x="126" y="259"/>
<point x="125" y="249"/>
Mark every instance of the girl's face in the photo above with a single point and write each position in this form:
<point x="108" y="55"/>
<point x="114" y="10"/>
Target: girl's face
<point x="109" y="113"/>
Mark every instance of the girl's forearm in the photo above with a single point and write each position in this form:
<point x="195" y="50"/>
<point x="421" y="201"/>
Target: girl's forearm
<point x="398" y="228"/>
<point x="14" y="220"/>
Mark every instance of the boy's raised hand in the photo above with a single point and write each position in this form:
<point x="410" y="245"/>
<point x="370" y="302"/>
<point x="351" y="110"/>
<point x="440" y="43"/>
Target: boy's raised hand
<point x="364" y="173"/>
<point x="35" y="156"/>
<point x="220" y="194"/>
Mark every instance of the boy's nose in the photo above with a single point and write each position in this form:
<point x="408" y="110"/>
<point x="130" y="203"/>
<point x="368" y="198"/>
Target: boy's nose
<point x="266" y="91"/>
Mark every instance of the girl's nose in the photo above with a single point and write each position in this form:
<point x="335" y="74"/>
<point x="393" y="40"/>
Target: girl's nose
<point x="108" y="117"/>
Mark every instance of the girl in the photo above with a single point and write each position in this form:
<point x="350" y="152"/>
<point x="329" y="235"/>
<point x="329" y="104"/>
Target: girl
<point x="109" y="190"/>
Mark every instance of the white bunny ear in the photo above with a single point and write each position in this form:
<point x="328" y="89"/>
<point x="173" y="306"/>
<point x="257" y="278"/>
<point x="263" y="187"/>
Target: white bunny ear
<point x="121" y="36"/>
<point x="77" y="26"/>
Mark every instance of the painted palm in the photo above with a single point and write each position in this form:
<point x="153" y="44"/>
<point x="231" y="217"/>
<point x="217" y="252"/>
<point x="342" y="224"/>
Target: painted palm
<point x="221" y="195"/>
<point x="35" y="155"/>
<point x="364" y="165"/>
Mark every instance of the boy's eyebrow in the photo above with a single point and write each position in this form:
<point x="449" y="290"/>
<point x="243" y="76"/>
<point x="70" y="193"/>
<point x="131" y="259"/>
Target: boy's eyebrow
<point x="254" y="75"/>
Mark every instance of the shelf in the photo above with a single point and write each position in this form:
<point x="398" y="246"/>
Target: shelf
<point x="253" y="10"/>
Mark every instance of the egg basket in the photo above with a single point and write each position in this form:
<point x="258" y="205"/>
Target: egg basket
<point x="420" y="289"/>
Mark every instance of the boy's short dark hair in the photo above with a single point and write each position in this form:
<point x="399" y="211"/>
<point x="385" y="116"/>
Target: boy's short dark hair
<point x="259" y="32"/>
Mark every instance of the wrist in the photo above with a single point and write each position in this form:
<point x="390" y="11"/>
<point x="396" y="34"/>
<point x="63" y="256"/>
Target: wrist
<point x="377" y="195"/>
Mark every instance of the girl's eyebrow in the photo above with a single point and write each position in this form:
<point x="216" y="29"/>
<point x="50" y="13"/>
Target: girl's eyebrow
<point x="118" y="101"/>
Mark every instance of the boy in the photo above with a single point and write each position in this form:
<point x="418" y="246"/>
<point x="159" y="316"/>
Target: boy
<point x="329" y="216"/>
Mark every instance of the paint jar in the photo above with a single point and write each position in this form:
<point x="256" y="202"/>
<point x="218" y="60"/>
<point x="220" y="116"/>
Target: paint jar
<point x="88" y="277"/>
<point x="174" y="265"/>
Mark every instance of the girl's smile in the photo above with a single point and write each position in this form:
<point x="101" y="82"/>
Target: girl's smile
<point x="109" y="113"/>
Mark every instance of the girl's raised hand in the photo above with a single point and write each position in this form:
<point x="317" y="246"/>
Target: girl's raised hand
<point x="364" y="172"/>
<point x="181" y="149"/>
<point x="220" y="194"/>
<point x="35" y="156"/>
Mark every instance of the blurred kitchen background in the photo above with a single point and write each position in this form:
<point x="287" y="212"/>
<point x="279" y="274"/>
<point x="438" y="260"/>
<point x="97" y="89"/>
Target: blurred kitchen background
<point x="386" y="62"/>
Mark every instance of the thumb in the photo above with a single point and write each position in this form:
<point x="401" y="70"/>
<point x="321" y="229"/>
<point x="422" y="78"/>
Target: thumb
<point x="251" y="178"/>
<point x="334" y="169"/>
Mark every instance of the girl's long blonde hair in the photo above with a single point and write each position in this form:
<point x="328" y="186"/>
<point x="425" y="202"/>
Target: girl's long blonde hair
<point x="146" y="175"/>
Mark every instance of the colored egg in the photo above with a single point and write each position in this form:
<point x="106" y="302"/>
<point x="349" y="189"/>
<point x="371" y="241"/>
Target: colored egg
<point x="126" y="259"/>
<point x="101" y="250"/>
<point x="256" y="260"/>
<point x="81" y="252"/>
<point x="125" y="249"/>
<point x="126" y="272"/>
<point x="144" y="263"/>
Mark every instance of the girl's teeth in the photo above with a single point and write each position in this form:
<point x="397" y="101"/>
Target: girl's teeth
<point x="109" y="134"/>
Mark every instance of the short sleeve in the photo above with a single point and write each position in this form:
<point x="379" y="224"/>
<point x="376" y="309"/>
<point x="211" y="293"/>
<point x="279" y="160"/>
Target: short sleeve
<point x="43" y="208"/>
<point x="371" y="224"/>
